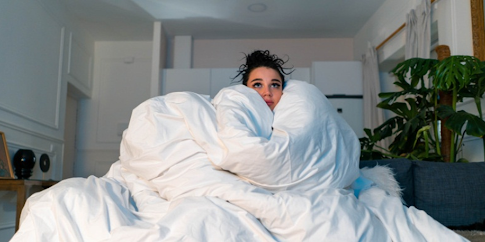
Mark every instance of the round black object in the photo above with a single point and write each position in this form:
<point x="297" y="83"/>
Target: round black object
<point x="44" y="162"/>
<point x="23" y="161"/>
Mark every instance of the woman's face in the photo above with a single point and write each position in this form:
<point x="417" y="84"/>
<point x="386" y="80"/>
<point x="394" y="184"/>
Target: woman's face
<point x="267" y="82"/>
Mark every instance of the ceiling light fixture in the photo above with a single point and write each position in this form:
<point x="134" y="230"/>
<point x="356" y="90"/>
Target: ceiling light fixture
<point x="257" y="7"/>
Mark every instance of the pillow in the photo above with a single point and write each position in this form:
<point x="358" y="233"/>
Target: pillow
<point x="451" y="193"/>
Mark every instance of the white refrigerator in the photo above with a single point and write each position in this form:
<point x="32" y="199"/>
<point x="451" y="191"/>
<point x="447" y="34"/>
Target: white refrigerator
<point x="341" y="82"/>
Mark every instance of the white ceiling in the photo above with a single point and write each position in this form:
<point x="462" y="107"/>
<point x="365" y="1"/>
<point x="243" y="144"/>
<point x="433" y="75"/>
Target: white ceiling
<point x="222" y="19"/>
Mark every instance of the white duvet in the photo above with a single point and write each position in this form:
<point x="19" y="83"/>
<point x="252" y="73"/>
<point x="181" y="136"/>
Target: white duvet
<point x="231" y="170"/>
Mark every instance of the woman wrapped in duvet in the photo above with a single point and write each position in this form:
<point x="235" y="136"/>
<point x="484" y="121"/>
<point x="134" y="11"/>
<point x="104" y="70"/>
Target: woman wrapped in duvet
<point x="277" y="149"/>
<point x="269" y="160"/>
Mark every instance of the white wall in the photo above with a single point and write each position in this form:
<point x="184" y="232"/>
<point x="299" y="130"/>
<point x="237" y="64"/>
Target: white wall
<point x="122" y="80"/>
<point x="41" y="52"/>
<point x="452" y="17"/>
<point x="301" y="52"/>
<point x="387" y="19"/>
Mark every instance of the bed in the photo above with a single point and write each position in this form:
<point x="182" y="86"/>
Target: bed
<point x="230" y="169"/>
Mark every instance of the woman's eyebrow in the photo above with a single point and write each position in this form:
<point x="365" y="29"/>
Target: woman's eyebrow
<point x="255" y="79"/>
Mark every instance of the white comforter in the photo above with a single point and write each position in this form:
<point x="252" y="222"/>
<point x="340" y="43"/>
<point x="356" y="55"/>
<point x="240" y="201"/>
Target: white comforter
<point x="230" y="170"/>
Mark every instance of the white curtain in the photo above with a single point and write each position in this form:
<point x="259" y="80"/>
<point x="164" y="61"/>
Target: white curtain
<point x="373" y="116"/>
<point x="418" y="31"/>
<point x="418" y="44"/>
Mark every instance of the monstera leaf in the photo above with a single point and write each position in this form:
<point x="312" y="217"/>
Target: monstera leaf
<point x="415" y="69"/>
<point x="456" y="72"/>
<point x="477" y="85"/>
<point x="456" y="120"/>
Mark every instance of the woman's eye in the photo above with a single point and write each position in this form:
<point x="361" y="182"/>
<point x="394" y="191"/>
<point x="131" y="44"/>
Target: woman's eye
<point x="275" y="85"/>
<point x="257" y="85"/>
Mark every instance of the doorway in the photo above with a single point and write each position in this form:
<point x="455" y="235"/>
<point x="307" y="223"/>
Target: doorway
<point x="70" y="137"/>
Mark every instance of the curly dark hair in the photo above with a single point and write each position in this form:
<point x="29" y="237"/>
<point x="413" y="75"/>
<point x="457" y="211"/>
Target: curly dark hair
<point x="262" y="58"/>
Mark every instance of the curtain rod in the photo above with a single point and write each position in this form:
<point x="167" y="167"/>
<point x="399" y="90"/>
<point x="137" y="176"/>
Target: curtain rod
<point x="395" y="32"/>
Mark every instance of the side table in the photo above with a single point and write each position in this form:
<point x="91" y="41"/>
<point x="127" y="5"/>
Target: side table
<point x="22" y="186"/>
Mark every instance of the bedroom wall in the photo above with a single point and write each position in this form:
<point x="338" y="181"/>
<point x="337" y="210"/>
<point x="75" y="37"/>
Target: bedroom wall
<point x="41" y="53"/>
<point x="228" y="53"/>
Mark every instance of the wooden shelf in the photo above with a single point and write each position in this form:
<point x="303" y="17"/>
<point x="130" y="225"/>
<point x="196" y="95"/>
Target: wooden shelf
<point x="22" y="187"/>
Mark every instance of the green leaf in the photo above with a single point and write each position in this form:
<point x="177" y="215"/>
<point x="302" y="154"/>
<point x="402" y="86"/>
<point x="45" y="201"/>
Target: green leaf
<point x="445" y="111"/>
<point x="424" y="132"/>
<point x="414" y="69"/>
<point x="386" y="94"/>
<point x="455" y="72"/>
<point x="476" y="88"/>
<point x="474" y="125"/>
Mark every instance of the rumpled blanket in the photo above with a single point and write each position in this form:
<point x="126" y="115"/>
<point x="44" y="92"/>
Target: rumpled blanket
<point x="231" y="170"/>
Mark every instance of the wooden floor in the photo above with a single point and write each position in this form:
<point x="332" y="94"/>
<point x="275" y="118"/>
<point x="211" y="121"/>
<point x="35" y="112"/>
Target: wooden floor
<point x="472" y="235"/>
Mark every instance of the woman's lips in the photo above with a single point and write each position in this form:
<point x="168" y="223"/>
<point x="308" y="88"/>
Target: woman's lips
<point x="268" y="102"/>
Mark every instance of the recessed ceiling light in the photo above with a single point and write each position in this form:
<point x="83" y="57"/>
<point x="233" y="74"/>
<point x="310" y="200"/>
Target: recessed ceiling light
<point x="257" y="7"/>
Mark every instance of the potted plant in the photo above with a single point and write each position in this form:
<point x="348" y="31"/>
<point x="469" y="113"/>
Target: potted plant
<point x="430" y="90"/>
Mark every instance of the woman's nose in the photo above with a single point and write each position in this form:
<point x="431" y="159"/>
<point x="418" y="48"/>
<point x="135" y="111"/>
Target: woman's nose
<point x="266" y="91"/>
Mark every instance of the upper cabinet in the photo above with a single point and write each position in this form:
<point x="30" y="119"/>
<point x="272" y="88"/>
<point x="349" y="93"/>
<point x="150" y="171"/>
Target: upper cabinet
<point x="191" y="80"/>
<point x="201" y="81"/>
<point x="338" y="77"/>
<point x="223" y="77"/>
